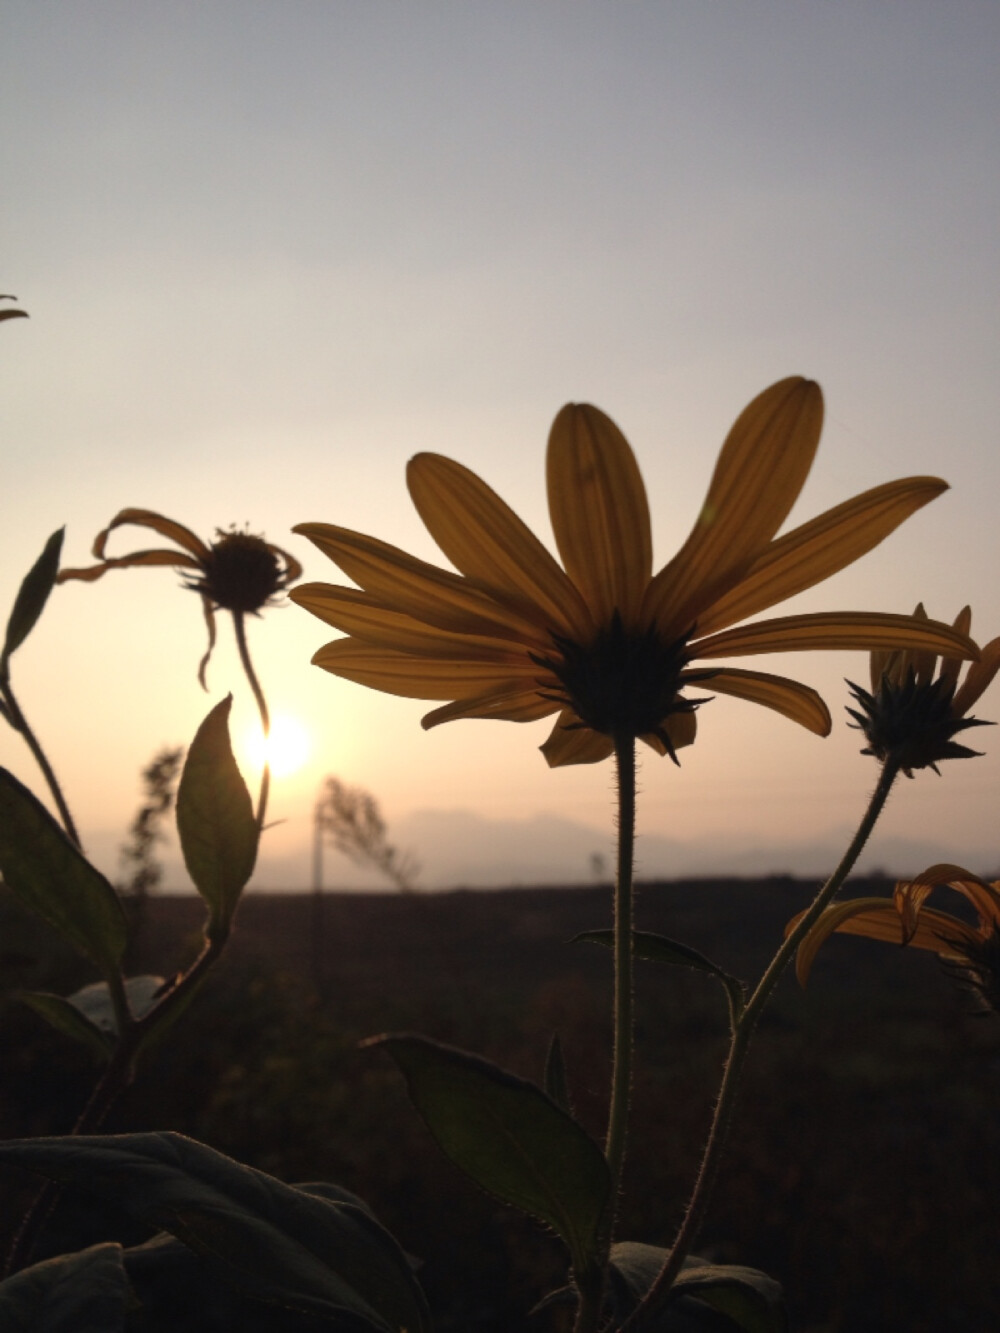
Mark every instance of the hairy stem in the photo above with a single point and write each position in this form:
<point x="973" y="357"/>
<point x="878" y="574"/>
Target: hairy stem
<point x="732" y="1074"/>
<point x="621" y="1074"/>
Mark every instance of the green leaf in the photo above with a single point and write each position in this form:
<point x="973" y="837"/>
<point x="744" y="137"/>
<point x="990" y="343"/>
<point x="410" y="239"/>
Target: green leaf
<point x="215" y="819"/>
<point x="63" y="1015"/>
<point x="86" y="1292"/>
<point x="751" y="1299"/>
<point x="31" y="598"/>
<point x="555" y="1081"/>
<point x="655" y="948"/>
<point x="50" y="876"/>
<point x="268" y="1240"/>
<point x="88" y="1016"/>
<point x="510" y="1137"/>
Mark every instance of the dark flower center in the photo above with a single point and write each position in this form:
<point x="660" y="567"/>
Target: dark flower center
<point x="240" y="573"/>
<point x="623" y="683"/>
<point x="911" y="723"/>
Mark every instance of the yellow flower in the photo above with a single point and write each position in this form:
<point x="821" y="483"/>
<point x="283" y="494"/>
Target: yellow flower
<point x="904" y="919"/>
<point x="912" y="714"/>
<point x="239" y="572"/>
<point x="602" y="640"/>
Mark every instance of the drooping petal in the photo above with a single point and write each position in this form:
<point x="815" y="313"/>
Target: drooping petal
<point x="500" y="704"/>
<point x="569" y="743"/>
<point x="799" y="702"/>
<point x="980" y="675"/>
<point x="419" y="677"/>
<point x="418" y="589"/>
<point x="175" y="559"/>
<point x="835" y="629"/>
<point x="877" y="918"/>
<point x="147" y="518"/>
<point x="599" y="511"/>
<point x="208" y="611"/>
<point x="486" y="541"/>
<point x="761" y="469"/>
<point x="984" y="897"/>
<point x="363" y="616"/>
<point x="820" y="548"/>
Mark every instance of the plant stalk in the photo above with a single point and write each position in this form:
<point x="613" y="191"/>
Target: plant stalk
<point x="20" y="723"/>
<point x="743" y="1032"/>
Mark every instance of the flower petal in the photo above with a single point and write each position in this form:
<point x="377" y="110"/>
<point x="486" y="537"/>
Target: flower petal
<point x="980" y="675"/>
<point x="951" y="666"/>
<point x="879" y="919"/>
<point x="835" y="629"/>
<point x="761" y="469"/>
<point x="175" y="559"/>
<point x="599" y="511"/>
<point x="166" y="527"/>
<point x="799" y="702"/>
<point x="813" y="552"/>
<point x="419" y="677"/>
<point x="680" y="727"/>
<point x="363" y="616"/>
<point x="984" y="897"/>
<point x="571" y="743"/>
<point x="486" y="541"/>
<point x="421" y="590"/>
<point x="501" y="704"/>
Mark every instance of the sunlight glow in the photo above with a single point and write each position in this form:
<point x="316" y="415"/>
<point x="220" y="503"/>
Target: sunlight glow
<point x="286" y="749"/>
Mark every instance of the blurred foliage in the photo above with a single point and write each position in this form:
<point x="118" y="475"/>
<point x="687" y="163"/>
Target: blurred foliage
<point x="868" y="1115"/>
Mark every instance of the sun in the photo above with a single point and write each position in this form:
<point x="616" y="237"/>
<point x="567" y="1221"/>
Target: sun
<point x="286" y="749"/>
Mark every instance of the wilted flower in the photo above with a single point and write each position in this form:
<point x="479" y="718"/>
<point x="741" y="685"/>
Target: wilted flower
<point x="239" y="572"/>
<point x="911" y="714"/>
<point x="971" y="951"/>
<point x="603" y="641"/>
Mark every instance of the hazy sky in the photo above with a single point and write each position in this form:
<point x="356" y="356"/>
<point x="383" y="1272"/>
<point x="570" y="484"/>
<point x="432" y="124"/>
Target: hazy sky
<point x="272" y="250"/>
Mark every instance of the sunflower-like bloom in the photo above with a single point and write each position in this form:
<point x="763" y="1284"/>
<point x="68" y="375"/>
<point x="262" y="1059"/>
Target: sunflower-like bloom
<point x="971" y="950"/>
<point x="602" y="640"/>
<point x="238" y="572"/>
<point x="914" y="711"/>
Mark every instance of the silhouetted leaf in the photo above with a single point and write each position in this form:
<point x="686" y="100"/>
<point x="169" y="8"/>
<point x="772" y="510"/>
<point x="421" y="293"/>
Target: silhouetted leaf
<point x="655" y="948"/>
<point x="556" y="1083"/>
<point x="510" y="1137"/>
<point x="50" y="876"/>
<point x="32" y="596"/>
<point x="89" y="1015"/>
<point x="751" y="1299"/>
<point x="86" y="1292"/>
<point x="268" y="1240"/>
<point x="215" y="819"/>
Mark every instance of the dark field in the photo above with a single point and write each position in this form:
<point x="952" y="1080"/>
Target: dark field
<point x="864" y="1170"/>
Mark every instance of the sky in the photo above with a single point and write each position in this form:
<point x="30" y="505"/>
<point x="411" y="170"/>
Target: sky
<point x="270" y="251"/>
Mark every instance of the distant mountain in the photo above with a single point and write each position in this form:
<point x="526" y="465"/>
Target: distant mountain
<point x="460" y="848"/>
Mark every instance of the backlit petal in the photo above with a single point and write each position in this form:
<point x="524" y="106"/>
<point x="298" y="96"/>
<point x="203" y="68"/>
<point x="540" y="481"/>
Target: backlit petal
<point x="147" y="518"/>
<point x="175" y="559"/>
<point x="359" y="614"/>
<point x="599" y="511"/>
<point x="878" y="918"/>
<point x="502" y="705"/>
<point x="979" y="676"/>
<point x="573" y="744"/>
<point x="813" y="552"/>
<point x="835" y="629"/>
<point x="419" y="677"/>
<point x="680" y="727"/>
<point x="421" y="590"/>
<point x="486" y="541"/>
<point x="799" y="702"/>
<point x="984" y="897"/>
<point x="763" y="465"/>
<point x="951" y="666"/>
